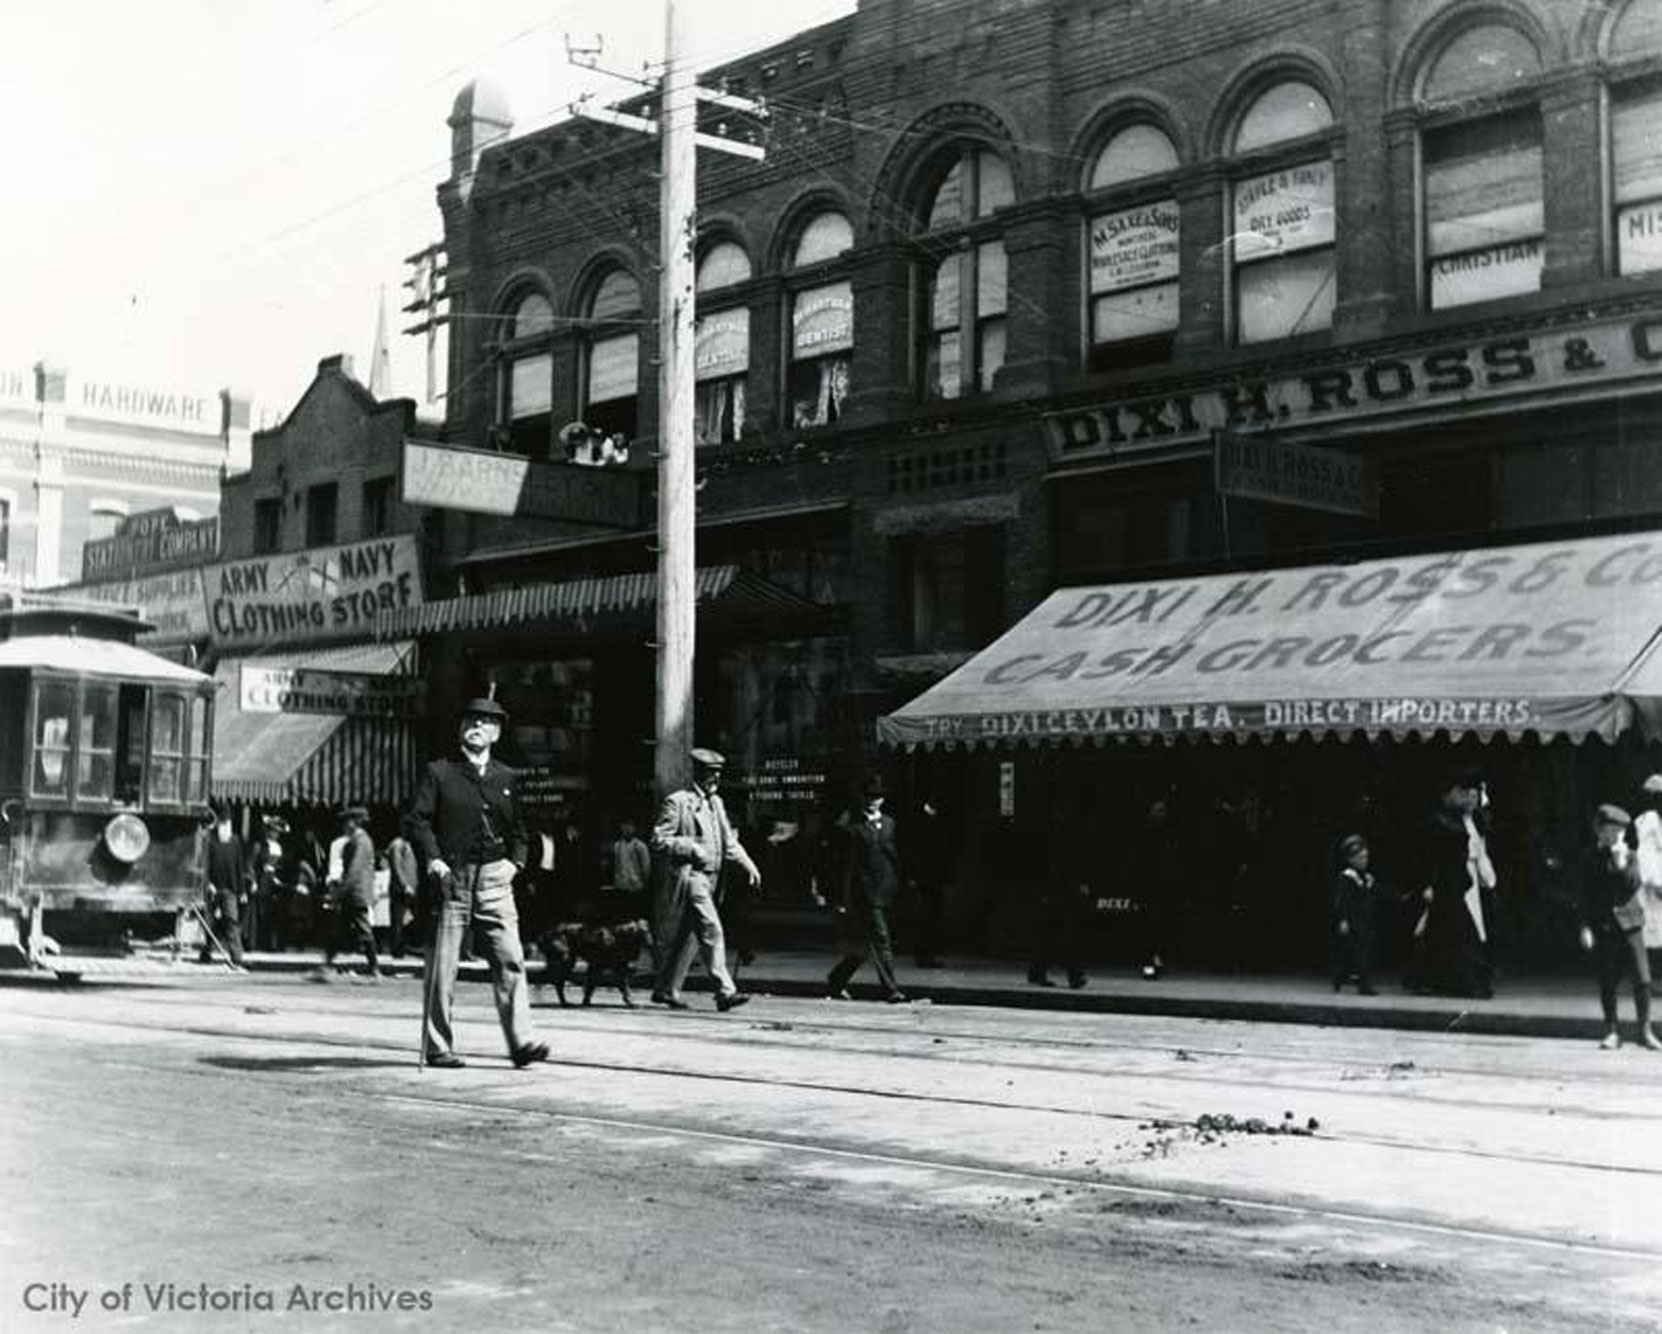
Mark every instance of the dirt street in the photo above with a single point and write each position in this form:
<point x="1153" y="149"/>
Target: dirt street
<point x="266" y="1149"/>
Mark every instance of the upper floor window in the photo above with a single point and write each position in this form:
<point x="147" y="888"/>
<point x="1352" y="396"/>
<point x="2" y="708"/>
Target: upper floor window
<point x="1636" y="177"/>
<point x="965" y="292"/>
<point x="611" y="353"/>
<point x="1133" y="250"/>
<point x="321" y="510"/>
<point x="377" y="506"/>
<point x="1482" y="189"/>
<point x="525" y="413"/>
<point x="268" y="525"/>
<point x="721" y="347"/>
<point x="821" y="324"/>
<point x="1283" y="224"/>
<point x="5" y="529"/>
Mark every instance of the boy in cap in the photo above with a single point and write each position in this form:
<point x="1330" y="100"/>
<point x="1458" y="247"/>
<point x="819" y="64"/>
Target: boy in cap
<point x="470" y="841"/>
<point x="1613" y="921"/>
<point x="696" y="840"/>
<point x="355" y="894"/>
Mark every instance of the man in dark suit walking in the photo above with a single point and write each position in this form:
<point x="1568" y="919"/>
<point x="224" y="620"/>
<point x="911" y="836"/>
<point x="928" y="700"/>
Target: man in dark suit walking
<point x="871" y="880"/>
<point x="470" y="840"/>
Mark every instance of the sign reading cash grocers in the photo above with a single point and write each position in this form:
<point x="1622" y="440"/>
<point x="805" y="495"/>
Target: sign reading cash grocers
<point x="1555" y="638"/>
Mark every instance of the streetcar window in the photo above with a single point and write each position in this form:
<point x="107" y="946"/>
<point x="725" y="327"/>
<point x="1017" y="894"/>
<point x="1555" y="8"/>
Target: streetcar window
<point x="167" y="749"/>
<point x="54" y="708"/>
<point x="196" y="772"/>
<point x="129" y="764"/>
<point x="95" y="765"/>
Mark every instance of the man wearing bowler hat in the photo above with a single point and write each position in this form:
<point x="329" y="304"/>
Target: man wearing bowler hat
<point x="470" y="841"/>
<point x="696" y="840"/>
<point x="355" y="895"/>
<point x="871" y="879"/>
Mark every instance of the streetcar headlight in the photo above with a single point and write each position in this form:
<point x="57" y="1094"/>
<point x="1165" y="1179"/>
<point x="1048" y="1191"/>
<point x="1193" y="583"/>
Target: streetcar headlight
<point x="126" y="837"/>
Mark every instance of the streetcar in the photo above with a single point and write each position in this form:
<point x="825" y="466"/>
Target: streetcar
<point x="104" y="771"/>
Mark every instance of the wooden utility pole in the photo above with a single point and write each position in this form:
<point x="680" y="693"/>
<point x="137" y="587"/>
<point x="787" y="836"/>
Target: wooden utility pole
<point x="677" y="127"/>
<point x="677" y="526"/>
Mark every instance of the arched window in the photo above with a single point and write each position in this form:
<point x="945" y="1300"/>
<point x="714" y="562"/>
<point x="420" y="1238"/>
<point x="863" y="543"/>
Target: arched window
<point x="1282" y="230"/>
<point x="1132" y="245"/>
<point x="961" y="323"/>
<point x="1636" y="141"/>
<point x="525" y="414"/>
<point x="821" y="308"/>
<point x="721" y="347"/>
<point x="1482" y="191"/>
<point x="611" y="355"/>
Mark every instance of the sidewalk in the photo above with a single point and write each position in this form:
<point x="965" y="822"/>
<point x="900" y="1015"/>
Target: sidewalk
<point x="1544" y="1006"/>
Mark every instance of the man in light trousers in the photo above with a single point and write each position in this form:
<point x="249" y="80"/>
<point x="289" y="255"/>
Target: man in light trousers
<point x="696" y="840"/>
<point x="466" y="826"/>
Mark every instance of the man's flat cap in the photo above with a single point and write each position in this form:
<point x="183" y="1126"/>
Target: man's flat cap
<point x="708" y="759"/>
<point x="1608" y="814"/>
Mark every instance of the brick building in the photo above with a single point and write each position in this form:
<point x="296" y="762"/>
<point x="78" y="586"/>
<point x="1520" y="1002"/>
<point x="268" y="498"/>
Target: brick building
<point x="1009" y="279"/>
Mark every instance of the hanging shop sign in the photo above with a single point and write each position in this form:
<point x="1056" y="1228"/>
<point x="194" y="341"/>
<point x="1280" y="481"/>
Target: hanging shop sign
<point x="1134" y="246"/>
<point x="149" y="542"/>
<point x="787" y="779"/>
<point x="1440" y="380"/>
<point x="1262" y="468"/>
<point x="482" y="482"/>
<point x="307" y="596"/>
<point x="271" y="688"/>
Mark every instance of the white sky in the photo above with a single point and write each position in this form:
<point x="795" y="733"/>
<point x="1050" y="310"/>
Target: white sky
<point x="212" y="193"/>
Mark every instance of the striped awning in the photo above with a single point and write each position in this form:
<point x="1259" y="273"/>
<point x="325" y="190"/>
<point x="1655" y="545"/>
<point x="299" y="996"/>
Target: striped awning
<point x="314" y="758"/>
<point x="729" y="586"/>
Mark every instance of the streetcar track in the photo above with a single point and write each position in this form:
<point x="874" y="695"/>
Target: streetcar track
<point x="1091" y="1113"/>
<point x="1031" y="1179"/>
<point x="1611" y="1074"/>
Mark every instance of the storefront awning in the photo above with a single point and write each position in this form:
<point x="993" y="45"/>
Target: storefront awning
<point x="283" y="757"/>
<point x="733" y="588"/>
<point x="1555" y="639"/>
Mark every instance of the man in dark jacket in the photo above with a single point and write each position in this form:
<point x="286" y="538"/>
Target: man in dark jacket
<point x="227" y="886"/>
<point x="355" y="896"/>
<point x="1613" y="922"/>
<point x="470" y="841"/>
<point x="871" y="879"/>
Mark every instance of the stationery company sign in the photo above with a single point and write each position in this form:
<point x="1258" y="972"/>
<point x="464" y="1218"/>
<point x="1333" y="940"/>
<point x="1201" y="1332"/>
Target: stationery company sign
<point x="149" y="542"/>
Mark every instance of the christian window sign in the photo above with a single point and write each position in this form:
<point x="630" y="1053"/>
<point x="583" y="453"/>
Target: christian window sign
<point x="266" y="688"/>
<point x="1553" y="638"/>
<point x="1434" y="382"/>
<point x="482" y="482"/>
<point x="1283" y="473"/>
<point x="320" y="594"/>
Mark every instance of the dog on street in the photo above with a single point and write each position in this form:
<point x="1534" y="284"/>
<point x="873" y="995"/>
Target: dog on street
<point x="608" y="954"/>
